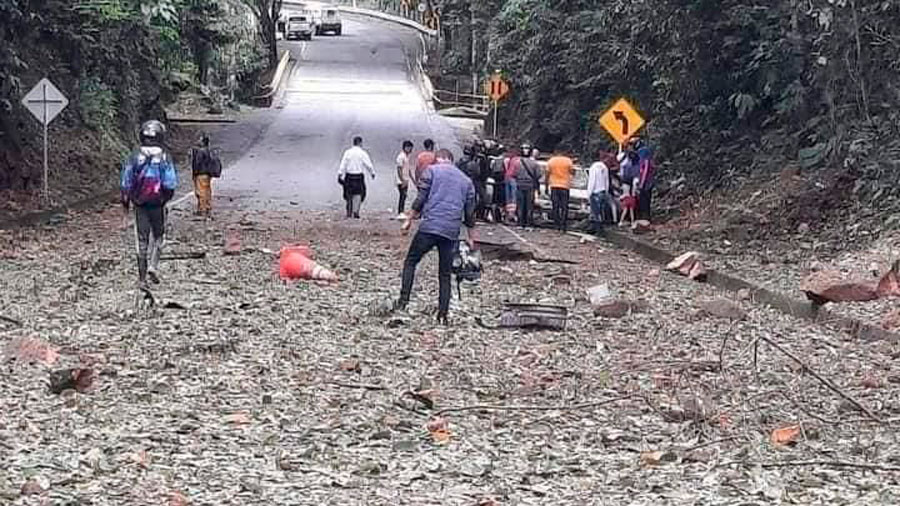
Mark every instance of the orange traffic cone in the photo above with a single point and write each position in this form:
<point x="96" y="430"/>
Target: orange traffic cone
<point x="295" y="265"/>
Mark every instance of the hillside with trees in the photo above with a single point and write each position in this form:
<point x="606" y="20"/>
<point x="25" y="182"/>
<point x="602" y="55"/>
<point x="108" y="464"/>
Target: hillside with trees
<point x="119" y="62"/>
<point x="738" y="94"/>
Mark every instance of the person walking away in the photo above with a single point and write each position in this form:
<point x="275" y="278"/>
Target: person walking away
<point x="560" y="169"/>
<point x="445" y="201"/>
<point x="512" y="163"/>
<point x="630" y="175"/>
<point x="599" y="191"/>
<point x="480" y="181"/>
<point x="528" y="181"/>
<point x="498" y="197"/>
<point x="205" y="166"/>
<point x="405" y="172"/>
<point x="424" y="159"/>
<point x="647" y="181"/>
<point x="354" y="164"/>
<point x="148" y="181"/>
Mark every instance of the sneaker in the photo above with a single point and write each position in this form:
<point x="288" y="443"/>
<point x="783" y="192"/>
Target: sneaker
<point x="400" y="305"/>
<point x="442" y="319"/>
<point x="153" y="277"/>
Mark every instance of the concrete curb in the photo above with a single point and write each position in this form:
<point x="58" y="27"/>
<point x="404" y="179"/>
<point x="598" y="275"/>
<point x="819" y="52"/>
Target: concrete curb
<point x="389" y="17"/>
<point x="779" y="301"/>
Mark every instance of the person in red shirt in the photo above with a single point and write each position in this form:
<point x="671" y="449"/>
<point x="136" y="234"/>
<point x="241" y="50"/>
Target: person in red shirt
<point x="424" y="159"/>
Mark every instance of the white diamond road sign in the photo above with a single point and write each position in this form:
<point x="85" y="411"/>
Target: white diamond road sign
<point x="45" y="101"/>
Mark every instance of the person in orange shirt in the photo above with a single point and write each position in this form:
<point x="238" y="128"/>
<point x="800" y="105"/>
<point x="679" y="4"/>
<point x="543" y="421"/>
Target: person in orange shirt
<point x="560" y="169"/>
<point x="424" y="159"/>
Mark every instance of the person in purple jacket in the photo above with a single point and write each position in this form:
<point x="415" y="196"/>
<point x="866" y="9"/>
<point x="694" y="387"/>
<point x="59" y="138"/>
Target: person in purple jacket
<point x="446" y="201"/>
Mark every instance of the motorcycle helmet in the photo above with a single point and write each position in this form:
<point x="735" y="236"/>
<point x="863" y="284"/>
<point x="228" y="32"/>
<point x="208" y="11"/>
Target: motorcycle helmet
<point x="153" y="133"/>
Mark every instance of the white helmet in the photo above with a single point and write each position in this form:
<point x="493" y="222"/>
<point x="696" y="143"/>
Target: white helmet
<point x="153" y="133"/>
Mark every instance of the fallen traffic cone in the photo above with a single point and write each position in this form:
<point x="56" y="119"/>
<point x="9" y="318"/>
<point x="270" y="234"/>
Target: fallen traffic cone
<point x="294" y="264"/>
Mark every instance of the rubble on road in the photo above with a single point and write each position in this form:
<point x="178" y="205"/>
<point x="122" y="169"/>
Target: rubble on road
<point x="262" y="392"/>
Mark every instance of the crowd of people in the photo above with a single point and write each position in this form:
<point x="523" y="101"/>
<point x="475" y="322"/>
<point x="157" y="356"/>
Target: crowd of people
<point x="488" y="183"/>
<point x="509" y="181"/>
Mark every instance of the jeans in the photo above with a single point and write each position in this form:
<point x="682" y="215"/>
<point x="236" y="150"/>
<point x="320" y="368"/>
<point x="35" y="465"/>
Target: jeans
<point x="149" y="232"/>
<point x="421" y="244"/>
<point x="559" y="197"/>
<point x="401" y="205"/>
<point x="601" y="203"/>
<point x="526" y="207"/>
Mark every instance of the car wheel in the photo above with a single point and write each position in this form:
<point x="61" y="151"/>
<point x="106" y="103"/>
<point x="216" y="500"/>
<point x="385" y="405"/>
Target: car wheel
<point x="337" y="32"/>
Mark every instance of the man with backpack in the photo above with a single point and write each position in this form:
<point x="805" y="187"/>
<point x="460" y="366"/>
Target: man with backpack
<point x="148" y="181"/>
<point x="205" y="166"/>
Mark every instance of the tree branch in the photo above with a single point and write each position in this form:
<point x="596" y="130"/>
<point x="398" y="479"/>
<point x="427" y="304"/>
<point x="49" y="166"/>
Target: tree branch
<point x="825" y="381"/>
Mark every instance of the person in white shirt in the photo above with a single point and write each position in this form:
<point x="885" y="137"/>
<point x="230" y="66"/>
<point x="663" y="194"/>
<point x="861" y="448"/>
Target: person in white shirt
<point x="405" y="172"/>
<point x="599" y="191"/>
<point x="354" y="164"/>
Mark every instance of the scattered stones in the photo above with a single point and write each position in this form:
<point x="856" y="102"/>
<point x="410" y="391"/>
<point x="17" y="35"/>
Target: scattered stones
<point x="689" y="265"/>
<point x="350" y="365"/>
<point x="831" y="286"/>
<point x="722" y="308"/>
<point x="28" y="349"/>
<point x="619" y="308"/>
<point x="232" y="242"/>
<point x="79" y="379"/>
<point x="891" y="321"/>
<point x="656" y="458"/>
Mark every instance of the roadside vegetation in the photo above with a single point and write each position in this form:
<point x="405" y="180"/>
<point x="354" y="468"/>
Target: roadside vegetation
<point x="119" y="62"/>
<point x="740" y="96"/>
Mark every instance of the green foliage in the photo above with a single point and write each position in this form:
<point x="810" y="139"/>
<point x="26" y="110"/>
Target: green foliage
<point x="728" y="85"/>
<point x="113" y="58"/>
<point x="97" y="103"/>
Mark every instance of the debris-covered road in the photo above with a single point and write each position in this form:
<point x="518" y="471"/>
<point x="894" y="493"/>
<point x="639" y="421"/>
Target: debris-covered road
<point x="240" y="389"/>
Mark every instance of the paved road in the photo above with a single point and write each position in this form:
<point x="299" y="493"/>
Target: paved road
<point x="357" y="84"/>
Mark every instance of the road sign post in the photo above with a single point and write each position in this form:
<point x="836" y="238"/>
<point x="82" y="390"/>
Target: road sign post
<point x="622" y="121"/>
<point x="497" y="89"/>
<point x="45" y="102"/>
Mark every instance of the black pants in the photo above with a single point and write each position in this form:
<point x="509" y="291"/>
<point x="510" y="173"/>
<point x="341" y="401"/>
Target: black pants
<point x="525" y="202"/>
<point x="401" y="205"/>
<point x="354" y="193"/>
<point x="149" y="232"/>
<point x="645" y="199"/>
<point x="481" y="200"/>
<point x="560" y="210"/>
<point x="422" y="243"/>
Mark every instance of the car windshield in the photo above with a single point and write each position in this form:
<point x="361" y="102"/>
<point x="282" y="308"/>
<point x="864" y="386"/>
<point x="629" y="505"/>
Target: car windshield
<point x="299" y="19"/>
<point x="331" y="14"/>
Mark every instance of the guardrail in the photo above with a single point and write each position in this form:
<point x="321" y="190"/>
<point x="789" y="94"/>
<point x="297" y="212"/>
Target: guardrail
<point x="389" y="17"/>
<point x="276" y="79"/>
<point x="480" y="104"/>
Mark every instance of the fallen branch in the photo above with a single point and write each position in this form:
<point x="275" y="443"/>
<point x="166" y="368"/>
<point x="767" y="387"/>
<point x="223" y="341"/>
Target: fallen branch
<point x="825" y="381"/>
<point x="825" y="463"/>
<point x="13" y="321"/>
<point x="574" y="407"/>
<point x="187" y="255"/>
